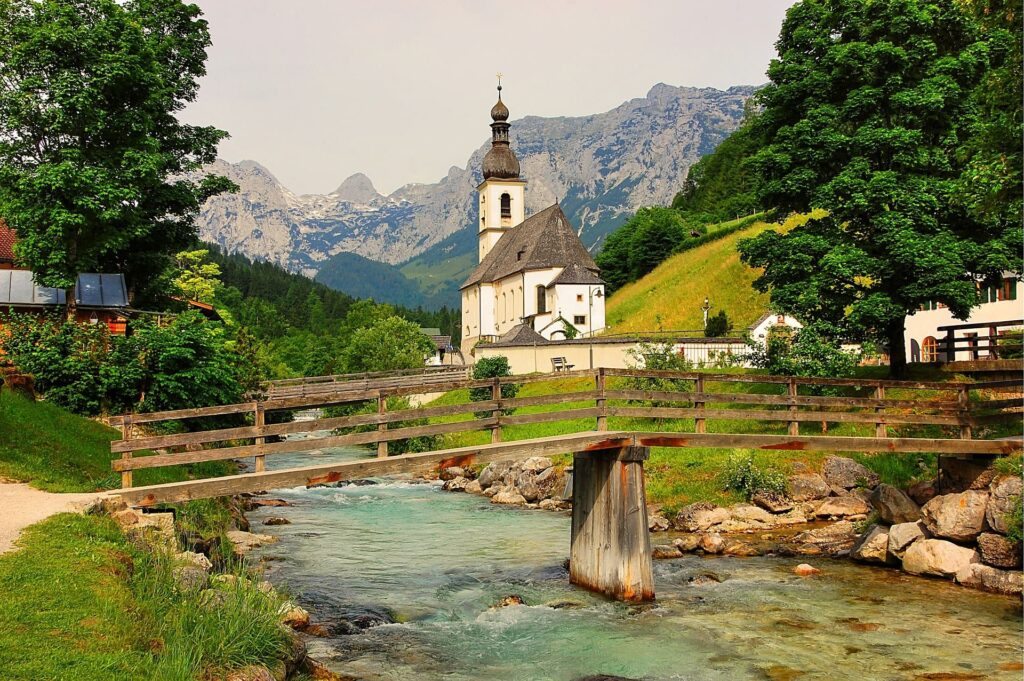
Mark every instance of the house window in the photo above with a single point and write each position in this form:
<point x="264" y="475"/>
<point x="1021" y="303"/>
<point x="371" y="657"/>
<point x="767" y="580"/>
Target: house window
<point x="579" y="319"/>
<point x="1009" y="291"/>
<point x="929" y="350"/>
<point x="579" y="297"/>
<point x="542" y="300"/>
<point x="506" y="206"/>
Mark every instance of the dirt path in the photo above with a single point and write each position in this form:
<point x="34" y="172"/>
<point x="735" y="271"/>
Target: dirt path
<point x="21" y="506"/>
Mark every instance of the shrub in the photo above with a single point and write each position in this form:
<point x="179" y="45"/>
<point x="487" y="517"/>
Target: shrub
<point x="492" y="367"/>
<point x="658" y="357"/>
<point x="718" y="325"/>
<point x="742" y="474"/>
<point x="387" y="344"/>
<point x="808" y="352"/>
<point x="1011" y="344"/>
<point x="1015" y="521"/>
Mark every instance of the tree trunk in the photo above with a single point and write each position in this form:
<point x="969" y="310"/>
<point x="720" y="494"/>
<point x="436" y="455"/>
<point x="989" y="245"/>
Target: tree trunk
<point x="897" y="349"/>
<point x="71" y="305"/>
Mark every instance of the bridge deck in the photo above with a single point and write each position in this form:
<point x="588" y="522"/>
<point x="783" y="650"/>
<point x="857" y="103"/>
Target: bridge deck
<point x="546" y="446"/>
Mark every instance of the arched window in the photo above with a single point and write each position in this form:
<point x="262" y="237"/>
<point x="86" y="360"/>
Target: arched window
<point x="506" y="206"/>
<point x="542" y="300"/>
<point x="929" y="350"/>
<point x="504" y="308"/>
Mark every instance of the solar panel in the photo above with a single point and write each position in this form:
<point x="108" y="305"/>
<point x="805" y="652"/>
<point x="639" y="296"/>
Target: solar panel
<point x="89" y="292"/>
<point x="114" y="293"/>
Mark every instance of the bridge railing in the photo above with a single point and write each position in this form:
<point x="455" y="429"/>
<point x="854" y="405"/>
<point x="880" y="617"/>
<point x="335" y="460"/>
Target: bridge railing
<point x="605" y="394"/>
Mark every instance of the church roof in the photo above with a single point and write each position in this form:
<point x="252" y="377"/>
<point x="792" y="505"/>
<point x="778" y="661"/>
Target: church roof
<point x="543" y="240"/>
<point x="576" y="274"/>
<point x="521" y="334"/>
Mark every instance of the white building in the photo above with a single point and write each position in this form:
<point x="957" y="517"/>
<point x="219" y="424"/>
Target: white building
<point x="759" y="330"/>
<point x="1001" y="309"/>
<point x="533" y="271"/>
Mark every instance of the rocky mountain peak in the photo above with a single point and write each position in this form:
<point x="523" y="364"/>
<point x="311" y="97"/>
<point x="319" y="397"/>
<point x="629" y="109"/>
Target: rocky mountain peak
<point x="357" y="189"/>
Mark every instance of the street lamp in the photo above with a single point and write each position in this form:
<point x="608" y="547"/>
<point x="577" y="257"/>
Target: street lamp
<point x="592" y="292"/>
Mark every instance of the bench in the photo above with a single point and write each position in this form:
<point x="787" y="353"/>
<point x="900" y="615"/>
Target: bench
<point x="561" y="364"/>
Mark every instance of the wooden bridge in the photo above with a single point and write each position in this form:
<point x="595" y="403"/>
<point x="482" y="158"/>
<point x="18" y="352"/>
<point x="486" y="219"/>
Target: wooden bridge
<point x="611" y="417"/>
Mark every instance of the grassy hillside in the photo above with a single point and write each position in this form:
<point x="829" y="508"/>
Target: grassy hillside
<point x="671" y="296"/>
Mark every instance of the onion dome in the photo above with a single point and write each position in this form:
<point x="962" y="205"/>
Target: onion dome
<point x="500" y="161"/>
<point x="499" y="112"/>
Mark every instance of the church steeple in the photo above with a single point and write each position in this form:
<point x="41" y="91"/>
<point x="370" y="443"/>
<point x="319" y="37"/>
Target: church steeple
<point x="500" y="161"/>
<point x="502" y="204"/>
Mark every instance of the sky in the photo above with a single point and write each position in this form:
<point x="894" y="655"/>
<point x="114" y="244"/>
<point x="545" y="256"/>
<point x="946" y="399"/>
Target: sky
<point x="316" y="90"/>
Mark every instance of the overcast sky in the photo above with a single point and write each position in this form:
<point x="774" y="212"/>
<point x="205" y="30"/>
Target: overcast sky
<point x="317" y="90"/>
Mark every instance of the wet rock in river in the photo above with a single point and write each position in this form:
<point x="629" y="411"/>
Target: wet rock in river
<point x="893" y="506"/>
<point x="457" y="484"/>
<point x="832" y="539"/>
<point x="937" y="557"/>
<point x="657" y="523"/>
<point x="452" y="472"/>
<point x="473" y="487"/>
<point x="508" y="496"/>
<point x="711" y="542"/>
<point x="244" y="542"/>
<point x="902" y="535"/>
<point x="511" y="599"/>
<point x="251" y="504"/>
<point x="960" y="517"/>
<point x="277" y="520"/>
<point x="704" y="578"/>
<point x="991" y="579"/>
<point x="666" y="551"/>
<point x="805" y="570"/>
<point x="687" y="543"/>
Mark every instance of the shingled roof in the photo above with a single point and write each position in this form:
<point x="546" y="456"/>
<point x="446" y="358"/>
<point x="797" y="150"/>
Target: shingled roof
<point x="543" y="240"/>
<point x="575" y="274"/>
<point x="521" y="334"/>
<point x="6" y="243"/>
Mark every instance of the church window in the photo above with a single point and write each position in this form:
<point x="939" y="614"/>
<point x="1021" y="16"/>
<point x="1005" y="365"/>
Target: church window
<point x="504" y="308"/>
<point x="542" y="300"/>
<point x="579" y="319"/>
<point x="506" y="206"/>
<point x="929" y="350"/>
<point x="579" y="297"/>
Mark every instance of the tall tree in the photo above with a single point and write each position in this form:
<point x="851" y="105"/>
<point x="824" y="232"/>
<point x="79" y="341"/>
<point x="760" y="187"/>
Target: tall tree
<point x="866" y="111"/>
<point x="95" y="168"/>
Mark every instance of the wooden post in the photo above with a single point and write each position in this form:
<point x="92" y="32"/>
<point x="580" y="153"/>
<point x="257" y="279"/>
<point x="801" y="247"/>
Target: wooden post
<point x="126" y="434"/>
<point x="496" y="396"/>
<point x="699" y="425"/>
<point x="880" y="429"/>
<point x="602" y="403"/>
<point x="950" y="350"/>
<point x="611" y="546"/>
<point x="794" y="426"/>
<point x="964" y="401"/>
<point x="382" y="408"/>
<point x="259" y="420"/>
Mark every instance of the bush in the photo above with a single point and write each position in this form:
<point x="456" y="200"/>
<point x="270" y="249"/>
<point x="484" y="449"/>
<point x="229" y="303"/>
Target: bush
<point x="492" y="367"/>
<point x="1011" y="344"/>
<point x="658" y="357"/>
<point x="1015" y="522"/>
<point x="808" y="352"/>
<point x="742" y="474"/>
<point x="718" y="325"/>
<point x="387" y="344"/>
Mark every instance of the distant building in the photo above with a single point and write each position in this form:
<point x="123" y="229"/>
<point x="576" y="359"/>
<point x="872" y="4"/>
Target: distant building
<point x="532" y="271"/>
<point x="927" y="330"/>
<point x="760" y="329"/>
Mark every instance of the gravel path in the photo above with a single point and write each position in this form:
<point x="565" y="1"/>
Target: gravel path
<point x="21" y="506"/>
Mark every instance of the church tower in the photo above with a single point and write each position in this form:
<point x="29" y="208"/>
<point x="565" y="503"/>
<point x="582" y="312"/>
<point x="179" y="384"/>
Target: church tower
<point x="502" y="203"/>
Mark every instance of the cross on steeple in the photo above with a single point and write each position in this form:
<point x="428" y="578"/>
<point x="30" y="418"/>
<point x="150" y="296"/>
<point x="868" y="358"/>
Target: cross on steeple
<point x="499" y="75"/>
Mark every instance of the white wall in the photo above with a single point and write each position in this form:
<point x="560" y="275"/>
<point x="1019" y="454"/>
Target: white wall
<point x="492" y="225"/>
<point x="760" y="332"/>
<point x="573" y="300"/>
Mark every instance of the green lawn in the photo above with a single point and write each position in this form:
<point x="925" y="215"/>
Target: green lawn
<point x="57" y="451"/>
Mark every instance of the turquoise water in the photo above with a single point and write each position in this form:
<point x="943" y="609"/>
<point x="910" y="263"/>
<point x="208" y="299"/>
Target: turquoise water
<point x="437" y="562"/>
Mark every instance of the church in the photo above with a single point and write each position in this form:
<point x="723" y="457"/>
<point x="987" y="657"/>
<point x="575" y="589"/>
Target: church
<point x="535" y="280"/>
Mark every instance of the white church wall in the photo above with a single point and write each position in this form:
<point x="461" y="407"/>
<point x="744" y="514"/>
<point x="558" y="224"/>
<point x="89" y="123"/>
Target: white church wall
<point x="574" y="304"/>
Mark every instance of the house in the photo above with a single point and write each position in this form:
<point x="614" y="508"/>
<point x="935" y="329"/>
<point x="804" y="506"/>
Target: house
<point x="533" y="271"/>
<point x="760" y="329"/>
<point x="928" y="330"/>
<point x="443" y="353"/>
<point x="100" y="298"/>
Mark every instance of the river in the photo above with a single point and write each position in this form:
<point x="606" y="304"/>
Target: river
<point x="435" y="562"/>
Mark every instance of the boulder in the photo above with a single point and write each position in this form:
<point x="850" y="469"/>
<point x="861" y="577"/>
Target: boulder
<point x="794" y="517"/>
<point x="657" y="522"/>
<point x="663" y="551"/>
<point x="196" y="559"/>
<point x="997" y="550"/>
<point x="276" y="520"/>
<point x="552" y="505"/>
<point x="293" y="616"/>
<point x="536" y="464"/>
<point x="473" y="487"/>
<point x="244" y="542"/>
<point x="872" y="546"/>
<point x="902" y="535"/>
<point x="512" y="599"/>
<point x="740" y="548"/>
<point x="493" y="490"/>
<point x="832" y="539"/>
<point x="526" y="484"/>
<point x="1004" y="493"/>
<point x="687" y="543"/>
<point x="772" y="502"/>
<point x="805" y="570"/>
<point x="711" y="542"/>
<point x="937" y="557"/>
<point x="960" y="517"/>
<point x="189" y="578"/>
<point x="847" y="473"/>
<point x="988" y="578"/>
<point x="893" y="506"/>
<point x="839" y="507"/>
<point x="807" y="487"/>
<point x="457" y="484"/>
<point x="509" y="496"/>
<point x="451" y="473"/>
<point x="922" y="492"/>
<point x="493" y="474"/>
<point x="750" y="513"/>
<point x="700" y="516"/>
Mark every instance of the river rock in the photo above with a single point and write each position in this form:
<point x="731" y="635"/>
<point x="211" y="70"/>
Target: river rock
<point x="493" y="474"/>
<point x="960" y="517"/>
<point x="741" y="548"/>
<point x="772" y="502"/>
<point x="1005" y="492"/>
<point x="750" y="513"/>
<point x="704" y="578"/>
<point x="196" y="559"/>
<point x="687" y="543"/>
<point x="700" y="516"/>
<point x="997" y="550"/>
<point x="293" y="616"/>
<point x="839" y="507"/>
<point x="893" y="506"/>
<point x="664" y="551"/>
<point x="657" y="522"/>
<point x="902" y="535"/>
<point x="807" y="487"/>
<point x="508" y="496"/>
<point x="553" y="505"/>
<point x="536" y="464"/>
<point x="527" y="486"/>
<point x="872" y="547"/>
<point x="805" y="570"/>
<point x="847" y="473"/>
<point x="511" y="599"/>
<point x="922" y="492"/>
<point x="276" y="520"/>
<point x="937" y="557"/>
<point x="189" y="578"/>
<point x="451" y="473"/>
<point x="711" y="542"/>
<point x="473" y="487"/>
<point x="457" y="484"/>
<point x="832" y="539"/>
<point x="244" y="542"/>
<point x="989" y="578"/>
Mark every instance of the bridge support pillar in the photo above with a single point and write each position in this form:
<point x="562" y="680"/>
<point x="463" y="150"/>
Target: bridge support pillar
<point x="611" y="547"/>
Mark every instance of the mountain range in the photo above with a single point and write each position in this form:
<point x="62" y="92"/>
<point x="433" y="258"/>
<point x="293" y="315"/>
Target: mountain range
<point x="416" y="245"/>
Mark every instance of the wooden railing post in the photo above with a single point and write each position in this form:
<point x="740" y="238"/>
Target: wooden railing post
<point x="126" y="434"/>
<point x="259" y="420"/>
<point x="496" y="396"/>
<point x="950" y="349"/>
<point x="964" y="400"/>
<point x="382" y="408"/>
<point x="602" y="403"/>
<point x="794" y="426"/>
<point x="699" y="424"/>
<point x="880" y="429"/>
